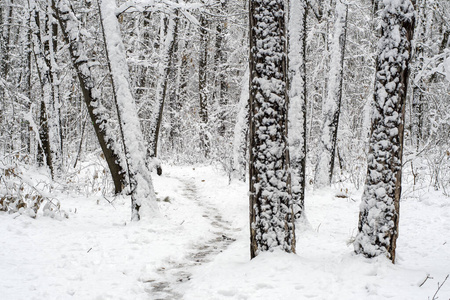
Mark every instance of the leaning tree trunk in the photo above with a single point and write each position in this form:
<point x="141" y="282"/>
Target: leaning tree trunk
<point x="70" y="28"/>
<point x="297" y="101"/>
<point x="271" y="216"/>
<point x="332" y="104"/>
<point x="143" y="199"/>
<point x="380" y="207"/>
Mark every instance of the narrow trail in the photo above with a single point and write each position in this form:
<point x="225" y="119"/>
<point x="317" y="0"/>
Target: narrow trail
<point x="178" y="272"/>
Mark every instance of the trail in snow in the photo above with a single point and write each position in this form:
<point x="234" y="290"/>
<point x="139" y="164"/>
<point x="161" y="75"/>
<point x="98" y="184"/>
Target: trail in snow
<point x="177" y="272"/>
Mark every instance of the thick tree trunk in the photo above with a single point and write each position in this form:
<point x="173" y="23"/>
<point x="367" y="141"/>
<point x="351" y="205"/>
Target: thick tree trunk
<point x="143" y="199"/>
<point x="69" y="26"/>
<point x="380" y="207"/>
<point x="332" y="105"/>
<point x="297" y="104"/>
<point x="271" y="215"/>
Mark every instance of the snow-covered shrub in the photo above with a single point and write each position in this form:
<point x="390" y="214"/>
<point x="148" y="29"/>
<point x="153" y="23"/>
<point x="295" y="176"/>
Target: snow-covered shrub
<point x="19" y="193"/>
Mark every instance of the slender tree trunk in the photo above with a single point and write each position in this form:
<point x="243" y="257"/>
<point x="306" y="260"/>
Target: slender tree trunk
<point x="202" y="84"/>
<point x="179" y="92"/>
<point x="241" y="130"/>
<point x="168" y="42"/>
<point x="45" y="153"/>
<point x="26" y="80"/>
<point x="7" y="40"/>
<point x="271" y="215"/>
<point x="380" y="207"/>
<point x="220" y="60"/>
<point x="297" y="98"/>
<point x="332" y="104"/>
<point x="70" y="28"/>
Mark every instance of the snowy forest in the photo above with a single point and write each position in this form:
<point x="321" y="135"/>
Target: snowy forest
<point x="224" y="149"/>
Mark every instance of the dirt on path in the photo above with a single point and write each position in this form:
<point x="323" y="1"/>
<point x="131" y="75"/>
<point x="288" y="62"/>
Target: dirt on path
<point x="175" y="273"/>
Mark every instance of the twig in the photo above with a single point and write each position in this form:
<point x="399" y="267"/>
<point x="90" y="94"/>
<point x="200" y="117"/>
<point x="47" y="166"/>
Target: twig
<point x="439" y="287"/>
<point x="109" y="201"/>
<point x="428" y="277"/>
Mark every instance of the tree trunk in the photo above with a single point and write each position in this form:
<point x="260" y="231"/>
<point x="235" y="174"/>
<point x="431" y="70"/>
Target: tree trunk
<point x="168" y="43"/>
<point x="45" y="151"/>
<point x="297" y="104"/>
<point x="271" y="215"/>
<point x="69" y="26"/>
<point x="26" y="80"/>
<point x="202" y="84"/>
<point x="241" y="130"/>
<point x="143" y="199"/>
<point x="220" y="59"/>
<point x="332" y="105"/>
<point x="380" y="207"/>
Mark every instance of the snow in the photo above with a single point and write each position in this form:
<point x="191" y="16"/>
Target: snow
<point x="98" y="254"/>
<point x="446" y="67"/>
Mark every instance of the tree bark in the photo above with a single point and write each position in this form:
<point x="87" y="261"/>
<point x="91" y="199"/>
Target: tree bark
<point x="220" y="59"/>
<point x="271" y="215"/>
<point x="143" y="199"/>
<point x="380" y="207"/>
<point x="69" y="26"/>
<point x="202" y="84"/>
<point x="297" y="101"/>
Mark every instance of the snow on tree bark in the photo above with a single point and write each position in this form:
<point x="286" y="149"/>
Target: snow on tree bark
<point x="297" y="101"/>
<point x="379" y="211"/>
<point x="220" y="65"/>
<point x="202" y="83"/>
<point x="70" y="28"/>
<point x="143" y="199"/>
<point x="271" y="216"/>
<point x="332" y="105"/>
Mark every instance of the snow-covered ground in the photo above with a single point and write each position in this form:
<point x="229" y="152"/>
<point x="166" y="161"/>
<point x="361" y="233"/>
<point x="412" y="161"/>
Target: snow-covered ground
<point x="199" y="248"/>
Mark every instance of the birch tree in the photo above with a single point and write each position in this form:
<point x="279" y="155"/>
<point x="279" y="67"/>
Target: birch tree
<point x="380" y="205"/>
<point x="271" y="216"/>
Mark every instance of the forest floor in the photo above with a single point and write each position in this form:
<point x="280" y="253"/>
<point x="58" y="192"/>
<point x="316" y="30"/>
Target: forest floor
<point x="198" y="248"/>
